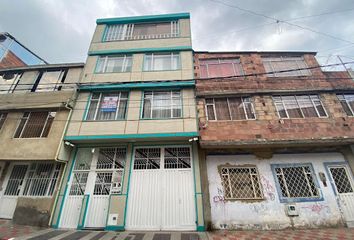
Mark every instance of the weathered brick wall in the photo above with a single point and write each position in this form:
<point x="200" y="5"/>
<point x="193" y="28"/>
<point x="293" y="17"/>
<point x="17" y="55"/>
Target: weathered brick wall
<point x="268" y="128"/>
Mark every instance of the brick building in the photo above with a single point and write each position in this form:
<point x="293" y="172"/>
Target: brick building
<point x="276" y="140"/>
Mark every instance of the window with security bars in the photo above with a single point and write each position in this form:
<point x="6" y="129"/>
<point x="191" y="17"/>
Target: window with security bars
<point x="78" y="184"/>
<point x="162" y="104"/>
<point x="35" y="125"/>
<point x="220" y="67"/>
<point x="299" y="106"/>
<point x="140" y="31"/>
<point x="285" y="66"/>
<point x="3" y="116"/>
<point x="41" y="179"/>
<point x="111" y="158"/>
<point x="114" y="64"/>
<point x="231" y="108"/>
<point x="107" y="106"/>
<point x="296" y="182"/>
<point x="177" y="157"/>
<point x="341" y="179"/>
<point x="347" y="102"/>
<point x="241" y="183"/>
<point x="147" y="158"/>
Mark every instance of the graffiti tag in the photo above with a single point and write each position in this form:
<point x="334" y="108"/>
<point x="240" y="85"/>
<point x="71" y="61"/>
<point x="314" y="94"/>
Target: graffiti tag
<point x="318" y="208"/>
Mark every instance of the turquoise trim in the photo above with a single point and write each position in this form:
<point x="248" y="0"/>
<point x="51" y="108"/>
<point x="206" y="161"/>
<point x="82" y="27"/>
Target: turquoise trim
<point x="195" y="188"/>
<point x="104" y="33"/>
<point x="95" y="69"/>
<point x="79" y="227"/>
<point x="200" y="228"/>
<point x="129" y="136"/>
<point x="128" y="187"/>
<point x="179" y="67"/>
<point x="141" y="85"/>
<point x="140" y="50"/>
<point x="87" y="107"/>
<point x="114" y="228"/>
<point x="66" y="189"/>
<point x="147" y="18"/>
<point x="125" y="164"/>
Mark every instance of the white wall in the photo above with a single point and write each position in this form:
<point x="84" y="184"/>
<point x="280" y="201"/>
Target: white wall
<point x="270" y="213"/>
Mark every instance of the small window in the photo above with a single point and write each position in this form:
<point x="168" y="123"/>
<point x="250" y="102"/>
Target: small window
<point x="162" y="61"/>
<point x="296" y="182"/>
<point x="162" y="105"/>
<point x="2" y="118"/>
<point x="347" y="101"/>
<point x="141" y="31"/>
<point x="280" y="66"/>
<point x="177" y="157"/>
<point x="232" y="108"/>
<point x="147" y="158"/>
<point x="299" y="106"/>
<point x="221" y="67"/>
<point x="114" y="64"/>
<point x="78" y="184"/>
<point x="107" y="106"/>
<point x="241" y="183"/>
<point x="35" y="124"/>
<point x="50" y="81"/>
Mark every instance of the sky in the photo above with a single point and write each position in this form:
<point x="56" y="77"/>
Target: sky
<point x="61" y="30"/>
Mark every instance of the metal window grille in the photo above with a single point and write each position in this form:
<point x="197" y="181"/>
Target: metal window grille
<point x="2" y="118"/>
<point x="299" y="106"/>
<point x="162" y="104"/>
<point x="41" y="179"/>
<point x="119" y="32"/>
<point x="116" y="63"/>
<point x="275" y="65"/>
<point x="107" y="106"/>
<point x="233" y="108"/>
<point x="220" y="67"/>
<point x="178" y="157"/>
<point x="78" y="184"/>
<point x="241" y="183"/>
<point x="162" y="61"/>
<point x="16" y="179"/>
<point x="35" y="124"/>
<point x="347" y="102"/>
<point x="341" y="179"/>
<point x="147" y="158"/>
<point x="297" y="182"/>
<point x="111" y="158"/>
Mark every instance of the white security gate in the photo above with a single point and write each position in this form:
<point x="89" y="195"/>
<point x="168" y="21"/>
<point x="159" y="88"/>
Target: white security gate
<point x="97" y="176"/>
<point x="14" y="187"/>
<point x="161" y="195"/>
<point x="343" y="184"/>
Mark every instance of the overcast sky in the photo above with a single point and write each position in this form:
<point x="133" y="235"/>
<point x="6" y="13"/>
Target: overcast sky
<point x="61" y="30"/>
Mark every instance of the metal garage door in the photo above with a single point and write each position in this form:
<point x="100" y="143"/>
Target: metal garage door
<point x="161" y="195"/>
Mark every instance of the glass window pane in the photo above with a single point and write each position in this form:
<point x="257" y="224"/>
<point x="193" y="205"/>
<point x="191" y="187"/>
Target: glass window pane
<point x="210" y="111"/>
<point x="281" y="110"/>
<point x="306" y="106"/>
<point x="249" y="108"/>
<point x="108" y="106"/>
<point x="222" y="109"/>
<point x="100" y="65"/>
<point x="236" y="108"/>
<point x="292" y="107"/>
<point x="49" y="81"/>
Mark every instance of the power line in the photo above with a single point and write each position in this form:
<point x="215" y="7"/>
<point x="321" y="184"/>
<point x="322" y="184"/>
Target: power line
<point x="281" y="21"/>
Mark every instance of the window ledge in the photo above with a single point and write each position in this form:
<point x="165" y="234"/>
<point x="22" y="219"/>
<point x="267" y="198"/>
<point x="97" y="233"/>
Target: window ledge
<point x="292" y="200"/>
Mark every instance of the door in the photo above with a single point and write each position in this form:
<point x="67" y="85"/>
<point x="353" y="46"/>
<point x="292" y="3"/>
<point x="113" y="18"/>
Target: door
<point x="343" y="186"/>
<point x="96" y="176"/>
<point x="161" y="196"/>
<point x="14" y="187"/>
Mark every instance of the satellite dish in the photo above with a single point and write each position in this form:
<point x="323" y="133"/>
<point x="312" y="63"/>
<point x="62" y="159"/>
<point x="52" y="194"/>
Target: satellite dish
<point x="8" y="76"/>
<point x="2" y="37"/>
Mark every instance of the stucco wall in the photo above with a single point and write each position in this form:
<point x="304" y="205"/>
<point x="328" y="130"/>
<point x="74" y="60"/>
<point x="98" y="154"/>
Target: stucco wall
<point x="270" y="213"/>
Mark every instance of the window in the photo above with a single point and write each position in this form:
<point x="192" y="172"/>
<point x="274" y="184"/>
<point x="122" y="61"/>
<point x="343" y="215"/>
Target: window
<point x="107" y="106"/>
<point x="119" y="32"/>
<point x="340" y="177"/>
<point x="50" y="81"/>
<point x="114" y="64"/>
<point x="35" y="124"/>
<point x="162" y="104"/>
<point x="275" y="66"/>
<point x="241" y="183"/>
<point x="161" y="61"/>
<point x="41" y="179"/>
<point x="8" y="82"/>
<point x="2" y="118"/>
<point x="347" y="101"/>
<point x="232" y="108"/>
<point x="177" y="157"/>
<point x="300" y="106"/>
<point x="296" y="182"/>
<point x="221" y="67"/>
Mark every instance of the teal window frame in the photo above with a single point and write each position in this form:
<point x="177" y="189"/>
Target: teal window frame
<point x="105" y="59"/>
<point x="172" y="53"/>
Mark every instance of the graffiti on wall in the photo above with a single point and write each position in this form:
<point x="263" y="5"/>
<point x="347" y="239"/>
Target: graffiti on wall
<point x="259" y="208"/>
<point x="269" y="190"/>
<point x="219" y="198"/>
<point x="318" y="208"/>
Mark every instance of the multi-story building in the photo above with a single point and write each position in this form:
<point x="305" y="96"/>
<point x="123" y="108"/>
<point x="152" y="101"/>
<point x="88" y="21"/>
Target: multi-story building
<point x="135" y="163"/>
<point x="35" y="105"/>
<point x="15" y="54"/>
<point x="277" y="140"/>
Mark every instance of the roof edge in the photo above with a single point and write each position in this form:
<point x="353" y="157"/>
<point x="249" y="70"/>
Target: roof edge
<point x="35" y="67"/>
<point x="264" y="52"/>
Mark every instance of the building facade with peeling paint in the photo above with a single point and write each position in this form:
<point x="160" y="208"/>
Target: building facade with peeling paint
<point x="276" y="135"/>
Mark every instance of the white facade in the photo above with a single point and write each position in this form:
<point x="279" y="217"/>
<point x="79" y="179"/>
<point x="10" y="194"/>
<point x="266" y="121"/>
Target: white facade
<point x="270" y="212"/>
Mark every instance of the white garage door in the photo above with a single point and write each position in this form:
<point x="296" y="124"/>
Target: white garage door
<point x="161" y="195"/>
